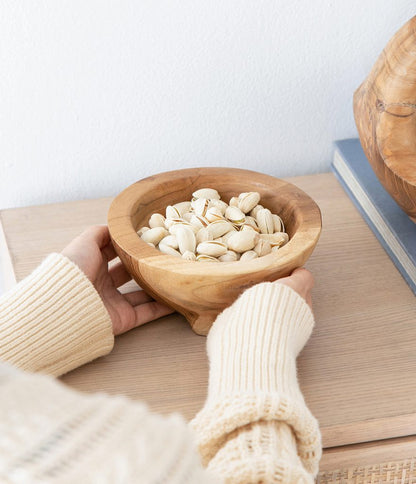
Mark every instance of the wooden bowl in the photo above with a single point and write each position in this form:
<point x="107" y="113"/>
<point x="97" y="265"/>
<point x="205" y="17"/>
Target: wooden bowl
<point x="385" y="115"/>
<point x="201" y="290"/>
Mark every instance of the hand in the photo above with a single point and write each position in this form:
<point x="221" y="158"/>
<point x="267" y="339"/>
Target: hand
<point x="301" y="281"/>
<point x="91" y="251"/>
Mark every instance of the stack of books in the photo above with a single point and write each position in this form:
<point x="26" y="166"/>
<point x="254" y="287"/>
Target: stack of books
<point x="393" y="228"/>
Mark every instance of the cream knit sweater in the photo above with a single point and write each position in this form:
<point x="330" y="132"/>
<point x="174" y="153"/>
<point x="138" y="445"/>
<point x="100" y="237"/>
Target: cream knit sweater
<point x="253" y="428"/>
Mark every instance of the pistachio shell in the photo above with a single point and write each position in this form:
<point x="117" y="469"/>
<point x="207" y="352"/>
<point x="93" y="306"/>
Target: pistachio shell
<point x="182" y="207"/>
<point x="278" y="225"/>
<point x="188" y="255"/>
<point x="199" y="221"/>
<point x="171" y="241"/>
<point x="249" y="255"/>
<point x="212" y="248"/>
<point x="247" y="201"/>
<point x="156" y="220"/>
<point x="203" y="235"/>
<point x="226" y="236"/>
<point x="249" y="227"/>
<point x="233" y="202"/>
<point x="251" y="221"/>
<point x="181" y="223"/>
<point x="235" y="215"/>
<point x="265" y="221"/>
<point x="209" y="193"/>
<point x="278" y="238"/>
<point x="213" y="213"/>
<point x="166" y="249"/>
<point x="154" y="235"/>
<point x="141" y="231"/>
<point x="258" y="207"/>
<point x="172" y="212"/>
<point x="275" y="248"/>
<point x="263" y="247"/>
<point x="219" y="228"/>
<point x="171" y="221"/>
<point x="220" y="204"/>
<point x="229" y="256"/>
<point x="186" y="239"/>
<point x="151" y="245"/>
<point x="243" y="241"/>
<point x="206" y="258"/>
<point x="200" y="206"/>
<point x="187" y="216"/>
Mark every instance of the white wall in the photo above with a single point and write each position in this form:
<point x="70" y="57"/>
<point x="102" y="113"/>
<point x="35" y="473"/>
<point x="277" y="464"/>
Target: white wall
<point x="96" y="94"/>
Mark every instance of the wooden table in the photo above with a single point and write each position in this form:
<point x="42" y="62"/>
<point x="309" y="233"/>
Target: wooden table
<point x="357" y="372"/>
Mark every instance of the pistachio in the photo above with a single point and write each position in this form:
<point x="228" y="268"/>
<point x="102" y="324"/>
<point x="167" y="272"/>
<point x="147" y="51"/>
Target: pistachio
<point x="172" y="221"/>
<point x="254" y="211"/>
<point x="243" y="241"/>
<point x="212" y="248"/>
<point x="188" y="255"/>
<point x="275" y="248"/>
<point x="263" y="247"/>
<point x="278" y="225"/>
<point x="219" y="228"/>
<point x="187" y="216"/>
<point x="203" y="235"/>
<point x="154" y="235"/>
<point x="249" y="227"/>
<point x="186" y="239"/>
<point x="249" y="255"/>
<point x="182" y="207"/>
<point x="200" y="206"/>
<point x="172" y="212"/>
<point x="166" y="249"/>
<point x="251" y="221"/>
<point x="233" y="202"/>
<point x="226" y="236"/>
<point x="199" y="221"/>
<point x="141" y="231"/>
<point x="181" y="223"/>
<point x="156" y="220"/>
<point x="278" y="238"/>
<point x="213" y="213"/>
<point x="247" y="201"/>
<point x="229" y="256"/>
<point x="265" y="221"/>
<point x="171" y="241"/>
<point x="206" y="258"/>
<point x="208" y="193"/>
<point x="235" y="215"/>
<point x="220" y="204"/>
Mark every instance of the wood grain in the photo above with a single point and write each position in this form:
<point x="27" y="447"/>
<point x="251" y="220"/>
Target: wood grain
<point x="357" y="372"/>
<point x="197" y="290"/>
<point x="385" y="114"/>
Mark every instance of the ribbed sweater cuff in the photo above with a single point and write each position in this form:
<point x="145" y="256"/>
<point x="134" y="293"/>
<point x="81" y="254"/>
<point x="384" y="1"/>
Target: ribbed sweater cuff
<point x="252" y="349"/>
<point x="54" y="320"/>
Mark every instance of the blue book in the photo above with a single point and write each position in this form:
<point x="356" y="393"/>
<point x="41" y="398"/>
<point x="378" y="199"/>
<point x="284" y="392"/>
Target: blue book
<point x="392" y="227"/>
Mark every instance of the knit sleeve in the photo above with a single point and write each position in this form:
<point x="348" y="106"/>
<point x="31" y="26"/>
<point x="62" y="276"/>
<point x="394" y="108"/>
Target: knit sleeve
<point x="255" y="425"/>
<point x="54" y="320"/>
<point x="52" y="434"/>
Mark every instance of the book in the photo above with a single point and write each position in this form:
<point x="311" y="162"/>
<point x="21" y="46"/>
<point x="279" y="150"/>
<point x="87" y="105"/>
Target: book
<point x="390" y="224"/>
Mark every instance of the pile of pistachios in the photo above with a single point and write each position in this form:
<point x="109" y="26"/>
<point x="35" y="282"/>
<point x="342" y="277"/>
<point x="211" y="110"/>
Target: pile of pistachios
<point x="207" y="229"/>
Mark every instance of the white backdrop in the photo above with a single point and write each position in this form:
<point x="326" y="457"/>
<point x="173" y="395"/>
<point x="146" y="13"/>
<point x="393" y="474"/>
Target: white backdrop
<point x="96" y="94"/>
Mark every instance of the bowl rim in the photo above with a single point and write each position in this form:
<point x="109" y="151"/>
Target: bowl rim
<point x="121" y="208"/>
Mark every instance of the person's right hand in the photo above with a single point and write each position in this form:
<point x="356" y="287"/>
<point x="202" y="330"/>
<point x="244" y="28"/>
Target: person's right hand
<point x="301" y="281"/>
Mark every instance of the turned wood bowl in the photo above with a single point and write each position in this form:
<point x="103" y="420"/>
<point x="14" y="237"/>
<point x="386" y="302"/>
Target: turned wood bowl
<point x="385" y="115"/>
<point x="201" y="290"/>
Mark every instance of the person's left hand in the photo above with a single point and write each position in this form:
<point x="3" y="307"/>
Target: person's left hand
<point x="91" y="251"/>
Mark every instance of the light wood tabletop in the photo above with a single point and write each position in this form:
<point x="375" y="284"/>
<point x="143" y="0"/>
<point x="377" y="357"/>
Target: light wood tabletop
<point x="357" y="372"/>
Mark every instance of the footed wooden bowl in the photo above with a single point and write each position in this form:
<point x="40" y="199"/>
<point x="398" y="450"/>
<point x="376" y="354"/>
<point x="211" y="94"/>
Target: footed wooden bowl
<point x="385" y="115"/>
<point x="201" y="290"/>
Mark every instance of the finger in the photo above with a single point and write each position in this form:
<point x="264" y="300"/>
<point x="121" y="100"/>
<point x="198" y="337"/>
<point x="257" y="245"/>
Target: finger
<point x="119" y="274"/>
<point x="109" y="251"/>
<point x="137" y="297"/>
<point x="99" y="234"/>
<point x="303" y="277"/>
<point x="150" y="311"/>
